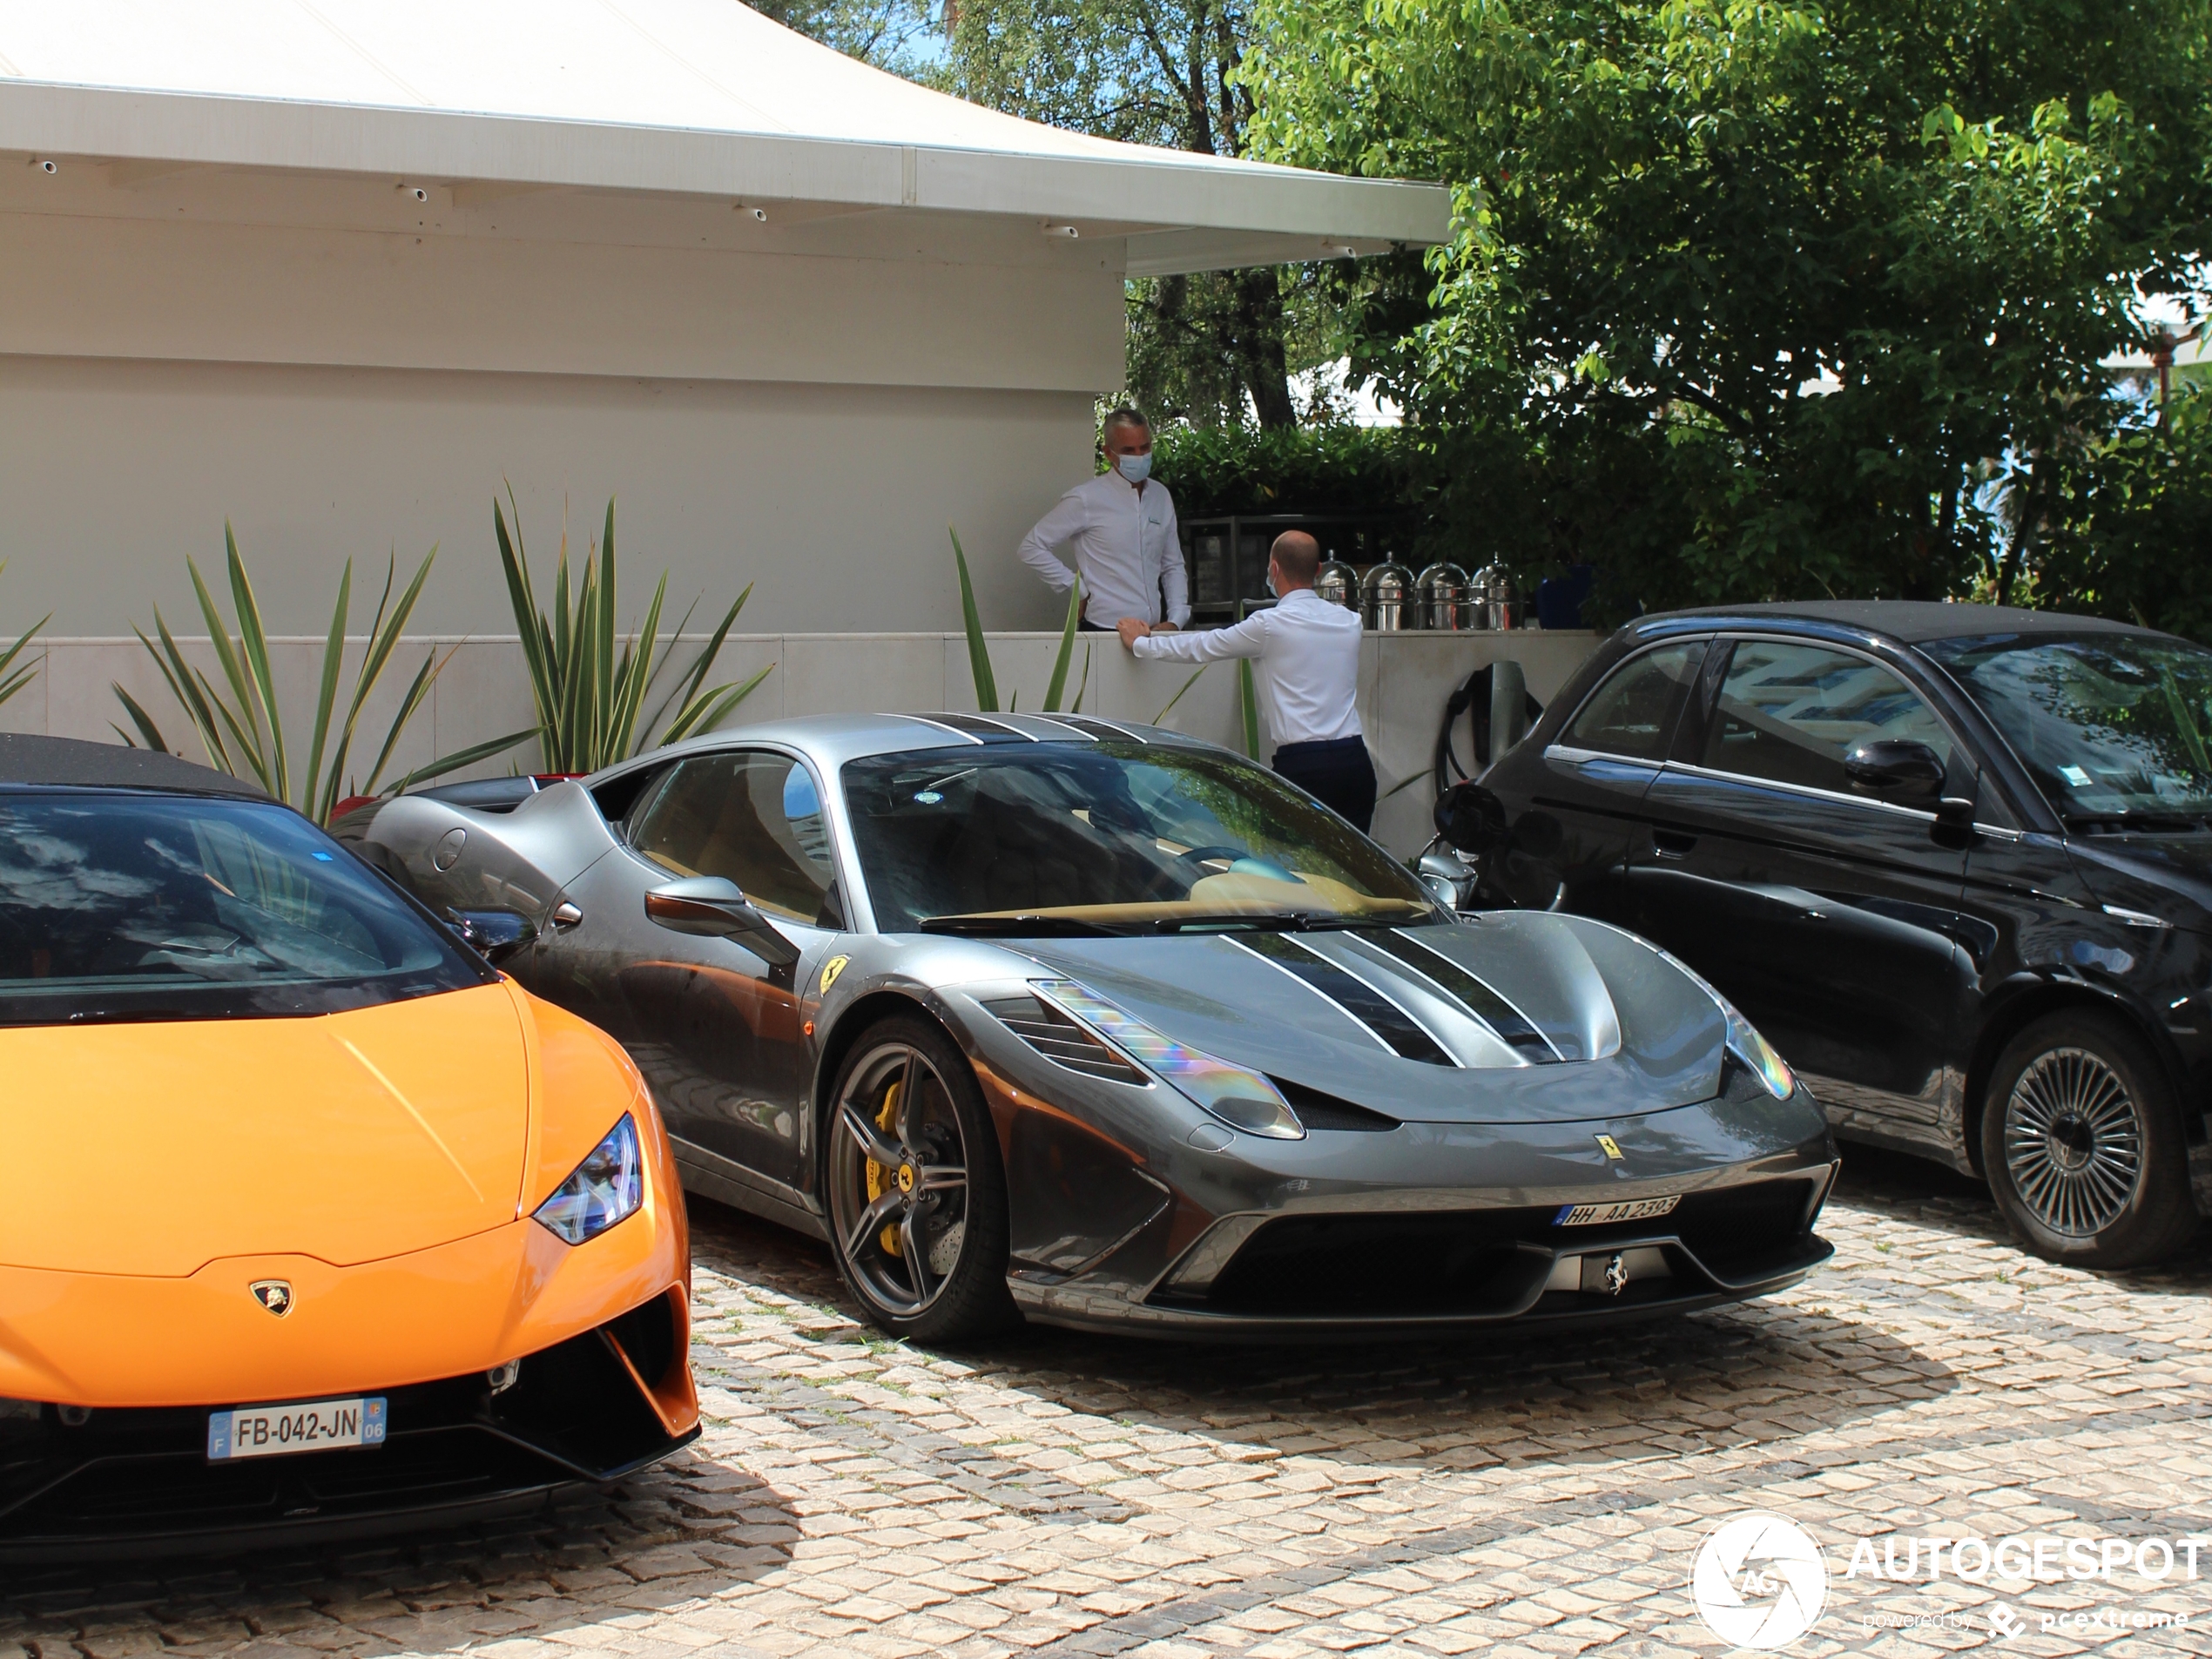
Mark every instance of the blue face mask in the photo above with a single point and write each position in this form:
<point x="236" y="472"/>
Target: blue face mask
<point x="1134" y="468"/>
<point x="1271" y="591"/>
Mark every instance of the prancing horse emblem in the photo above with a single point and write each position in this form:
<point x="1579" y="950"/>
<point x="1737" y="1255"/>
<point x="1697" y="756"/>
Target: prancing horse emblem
<point x="275" y="1294"/>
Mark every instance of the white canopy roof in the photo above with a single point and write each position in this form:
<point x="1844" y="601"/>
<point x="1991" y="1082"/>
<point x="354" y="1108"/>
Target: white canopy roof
<point x="689" y="96"/>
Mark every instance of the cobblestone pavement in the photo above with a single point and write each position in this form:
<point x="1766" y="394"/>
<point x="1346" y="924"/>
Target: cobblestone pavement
<point x="1070" y="1495"/>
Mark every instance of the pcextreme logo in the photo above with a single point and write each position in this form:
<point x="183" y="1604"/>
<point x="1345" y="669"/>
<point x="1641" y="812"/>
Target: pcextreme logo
<point x="1759" y="1581"/>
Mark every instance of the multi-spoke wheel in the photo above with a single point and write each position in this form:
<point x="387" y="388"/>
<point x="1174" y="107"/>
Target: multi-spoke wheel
<point x="2081" y="1144"/>
<point x="917" y="1203"/>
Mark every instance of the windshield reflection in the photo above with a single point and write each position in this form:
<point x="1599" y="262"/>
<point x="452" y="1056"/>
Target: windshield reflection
<point x="1107" y="838"/>
<point x="2112" y="726"/>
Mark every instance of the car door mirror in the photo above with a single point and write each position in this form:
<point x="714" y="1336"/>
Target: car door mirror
<point x="1896" y="769"/>
<point x="493" y="934"/>
<point x="1447" y="877"/>
<point x="711" y="907"/>
<point x="1471" y="818"/>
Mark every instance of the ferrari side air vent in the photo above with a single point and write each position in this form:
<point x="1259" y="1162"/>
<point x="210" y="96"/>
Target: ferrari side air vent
<point x="1318" y="1110"/>
<point x="1060" y="1040"/>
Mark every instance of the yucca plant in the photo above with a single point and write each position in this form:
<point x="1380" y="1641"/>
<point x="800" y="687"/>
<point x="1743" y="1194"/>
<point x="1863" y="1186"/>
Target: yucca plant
<point x="979" y="649"/>
<point x="13" y="679"/>
<point x="1177" y="698"/>
<point x="590" y="687"/>
<point x="243" y="732"/>
<point x="1248" y="707"/>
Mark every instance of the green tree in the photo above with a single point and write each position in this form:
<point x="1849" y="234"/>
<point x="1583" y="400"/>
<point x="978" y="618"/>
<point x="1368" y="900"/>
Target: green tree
<point x="1160" y="72"/>
<point x="1753" y="300"/>
<point x="896" y="35"/>
<point x="2130" y="529"/>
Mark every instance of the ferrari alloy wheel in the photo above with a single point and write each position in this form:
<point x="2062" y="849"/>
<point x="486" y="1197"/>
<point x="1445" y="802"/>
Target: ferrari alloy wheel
<point x="2081" y="1144"/>
<point x="917" y="1201"/>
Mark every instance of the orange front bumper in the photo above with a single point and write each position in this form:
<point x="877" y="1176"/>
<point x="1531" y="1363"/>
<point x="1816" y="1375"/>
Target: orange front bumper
<point x="112" y="1340"/>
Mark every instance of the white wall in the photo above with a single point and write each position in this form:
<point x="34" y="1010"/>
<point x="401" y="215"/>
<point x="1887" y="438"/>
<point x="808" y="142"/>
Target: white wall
<point x="832" y="500"/>
<point x="481" y="690"/>
<point x="342" y="372"/>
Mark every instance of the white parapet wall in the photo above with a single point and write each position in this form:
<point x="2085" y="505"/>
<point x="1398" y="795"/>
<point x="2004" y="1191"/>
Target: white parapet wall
<point x="483" y="691"/>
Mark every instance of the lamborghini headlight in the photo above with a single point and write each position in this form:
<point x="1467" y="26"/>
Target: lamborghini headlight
<point x="1240" y="1097"/>
<point x="607" y="1187"/>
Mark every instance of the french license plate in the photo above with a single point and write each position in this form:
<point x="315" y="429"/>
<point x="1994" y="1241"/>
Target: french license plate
<point x="1585" y="1215"/>
<point x="316" y="1425"/>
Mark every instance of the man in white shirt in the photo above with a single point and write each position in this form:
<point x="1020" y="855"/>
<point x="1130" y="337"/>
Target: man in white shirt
<point x="1123" y="525"/>
<point x="1305" y="667"/>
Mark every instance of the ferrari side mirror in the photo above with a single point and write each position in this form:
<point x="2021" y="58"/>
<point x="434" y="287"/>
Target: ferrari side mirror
<point x="711" y="906"/>
<point x="1447" y="877"/>
<point x="1471" y="818"/>
<point x="493" y="934"/>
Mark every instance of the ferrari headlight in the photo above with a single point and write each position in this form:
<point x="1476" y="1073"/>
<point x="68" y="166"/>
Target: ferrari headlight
<point x="1743" y="1040"/>
<point x="1756" y="1052"/>
<point x="1240" y="1097"/>
<point x="607" y="1187"/>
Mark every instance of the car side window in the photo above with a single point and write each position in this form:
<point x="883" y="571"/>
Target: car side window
<point x="1789" y="713"/>
<point x="750" y="815"/>
<point x="1634" y="712"/>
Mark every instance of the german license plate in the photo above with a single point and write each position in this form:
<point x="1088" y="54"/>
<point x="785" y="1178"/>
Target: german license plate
<point x="315" y="1426"/>
<point x="1585" y="1215"/>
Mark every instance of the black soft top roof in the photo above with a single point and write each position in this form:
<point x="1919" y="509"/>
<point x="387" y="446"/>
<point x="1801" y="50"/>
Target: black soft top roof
<point x="28" y="758"/>
<point x="1915" y="621"/>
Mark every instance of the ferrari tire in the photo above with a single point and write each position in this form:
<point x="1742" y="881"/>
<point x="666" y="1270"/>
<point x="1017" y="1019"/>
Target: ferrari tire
<point x="2083" y="1146"/>
<point x="916" y="1192"/>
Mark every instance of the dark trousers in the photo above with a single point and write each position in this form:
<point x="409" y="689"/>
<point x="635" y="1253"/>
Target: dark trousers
<point x="1338" y="773"/>
<point x="1085" y="626"/>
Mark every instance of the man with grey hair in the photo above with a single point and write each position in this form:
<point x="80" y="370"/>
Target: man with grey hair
<point x="1121" y="525"/>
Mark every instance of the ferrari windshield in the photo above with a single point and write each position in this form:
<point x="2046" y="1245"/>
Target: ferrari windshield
<point x="2113" y="726"/>
<point x="1107" y="836"/>
<point x="122" y="905"/>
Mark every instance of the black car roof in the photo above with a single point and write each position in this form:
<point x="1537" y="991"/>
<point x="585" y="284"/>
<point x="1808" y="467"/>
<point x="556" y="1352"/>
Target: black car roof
<point x="1910" y="622"/>
<point x="26" y="758"/>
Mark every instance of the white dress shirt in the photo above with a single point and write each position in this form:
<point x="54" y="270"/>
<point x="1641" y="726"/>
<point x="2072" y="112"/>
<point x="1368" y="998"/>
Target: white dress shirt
<point x="1126" y="551"/>
<point x="1305" y="664"/>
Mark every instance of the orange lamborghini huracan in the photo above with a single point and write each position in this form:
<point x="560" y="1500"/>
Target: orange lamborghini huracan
<point x="314" y="1221"/>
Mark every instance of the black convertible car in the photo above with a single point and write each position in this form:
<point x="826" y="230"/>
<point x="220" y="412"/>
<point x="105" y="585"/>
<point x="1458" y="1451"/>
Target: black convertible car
<point x="1955" y="861"/>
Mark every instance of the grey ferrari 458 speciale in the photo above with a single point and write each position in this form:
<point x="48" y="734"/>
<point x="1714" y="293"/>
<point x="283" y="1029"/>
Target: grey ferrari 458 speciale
<point x="1099" y="1025"/>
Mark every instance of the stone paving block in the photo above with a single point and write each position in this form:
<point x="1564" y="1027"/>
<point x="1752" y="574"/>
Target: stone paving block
<point x="1087" y="1498"/>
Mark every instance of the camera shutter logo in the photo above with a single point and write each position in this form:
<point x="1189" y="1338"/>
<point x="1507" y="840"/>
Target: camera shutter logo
<point x="1759" y="1581"/>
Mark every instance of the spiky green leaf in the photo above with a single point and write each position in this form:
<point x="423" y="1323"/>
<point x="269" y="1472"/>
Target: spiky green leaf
<point x="979" y="649"/>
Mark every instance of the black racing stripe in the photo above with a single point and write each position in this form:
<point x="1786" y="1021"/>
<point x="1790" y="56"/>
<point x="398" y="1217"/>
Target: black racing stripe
<point x="1357" y="998"/>
<point x="1479" y="999"/>
<point x="978" y="726"/>
<point x="1103" y="730"/>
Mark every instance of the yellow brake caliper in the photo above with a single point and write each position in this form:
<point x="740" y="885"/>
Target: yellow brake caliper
<point x="879" y="1178"/>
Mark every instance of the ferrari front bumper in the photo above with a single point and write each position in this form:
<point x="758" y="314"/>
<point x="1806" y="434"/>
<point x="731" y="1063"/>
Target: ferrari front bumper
<point x="1430" y="1229"/>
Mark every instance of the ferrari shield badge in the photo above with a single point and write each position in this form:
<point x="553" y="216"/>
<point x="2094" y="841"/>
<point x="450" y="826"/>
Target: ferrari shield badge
<point x="275" y="1294"/>
<point x="831" y="969"/>
<point x="1610" y="1147"/>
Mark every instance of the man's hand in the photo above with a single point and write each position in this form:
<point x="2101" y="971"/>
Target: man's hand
<point x="1164" y="628"/>
<point x="1131" y="630"/>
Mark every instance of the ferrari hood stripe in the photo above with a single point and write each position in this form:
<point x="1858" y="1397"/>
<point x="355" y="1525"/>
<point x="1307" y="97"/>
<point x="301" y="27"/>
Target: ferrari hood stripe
<point x="1388" y="1023"/>
<point x="1481" y="1002"/>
